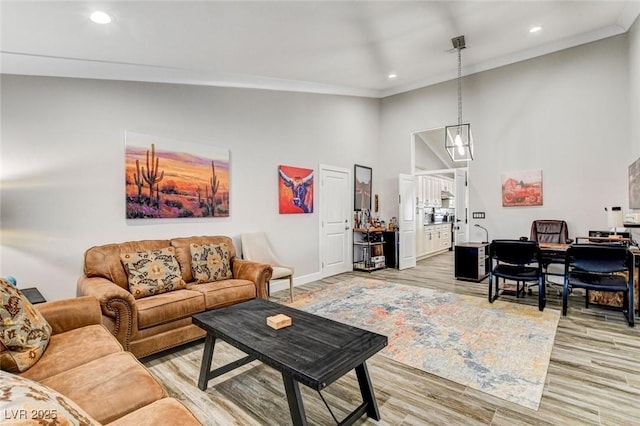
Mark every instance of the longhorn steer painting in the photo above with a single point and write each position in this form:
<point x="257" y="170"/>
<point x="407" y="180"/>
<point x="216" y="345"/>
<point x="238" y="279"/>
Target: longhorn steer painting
<point x="295" y="189"/>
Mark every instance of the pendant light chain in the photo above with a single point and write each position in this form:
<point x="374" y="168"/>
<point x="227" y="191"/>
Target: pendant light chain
<point x="457" y="139"/>
<point x="459" y="87"/>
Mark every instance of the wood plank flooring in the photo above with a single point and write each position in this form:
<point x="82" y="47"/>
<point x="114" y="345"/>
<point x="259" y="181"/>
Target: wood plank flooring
<point x="593" y="377"/>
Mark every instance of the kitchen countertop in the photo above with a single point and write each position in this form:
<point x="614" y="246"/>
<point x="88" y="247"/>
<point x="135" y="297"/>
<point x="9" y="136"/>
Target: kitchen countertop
<point x="436" y="223"/>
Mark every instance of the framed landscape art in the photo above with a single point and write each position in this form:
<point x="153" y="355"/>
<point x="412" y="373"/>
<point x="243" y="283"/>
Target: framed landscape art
<point x="362" y="188"/>
<point x="174" y="179"/>
<point x="634" y="185"/>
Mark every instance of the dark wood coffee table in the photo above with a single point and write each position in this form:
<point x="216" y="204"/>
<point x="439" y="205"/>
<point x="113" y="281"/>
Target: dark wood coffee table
<point x="314" y="351"/>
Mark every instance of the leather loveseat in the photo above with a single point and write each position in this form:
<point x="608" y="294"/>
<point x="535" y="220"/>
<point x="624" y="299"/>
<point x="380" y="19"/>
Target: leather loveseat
<point x="153" y="323"/>
<point x="83" y="376"/>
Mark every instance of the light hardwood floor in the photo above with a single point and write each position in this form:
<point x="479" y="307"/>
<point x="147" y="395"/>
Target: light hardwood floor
<point x="593" y="376"/>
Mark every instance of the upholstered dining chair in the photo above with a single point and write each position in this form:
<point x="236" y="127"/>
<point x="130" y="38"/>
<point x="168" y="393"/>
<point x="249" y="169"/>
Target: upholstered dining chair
<point x="555" y="232"/>
<point x="256" y="247"/>
<point x="550" y="231"/>
<point x="518" y="261"/>
<point x="600" y="267"/>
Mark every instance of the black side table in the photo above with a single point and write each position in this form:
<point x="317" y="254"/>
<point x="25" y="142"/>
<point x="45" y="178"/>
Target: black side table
<point x="472" y="262"/>
<point x="33" y="295"/>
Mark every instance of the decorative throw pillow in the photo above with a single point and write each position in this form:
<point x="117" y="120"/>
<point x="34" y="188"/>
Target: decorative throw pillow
<point x="210" y="262"/>
<point x="152" y="272"/>
<point x="23" y="401"/>
<point x="24" y="333"/>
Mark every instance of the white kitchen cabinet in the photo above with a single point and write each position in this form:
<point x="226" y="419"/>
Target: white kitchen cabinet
<point x="420" y="242"/>
<point x="433" y="194"/>
<point x="429" y="190"/>
<point x="445" y="236"/>
<point x="433" y="239"/>
<point x="429" y="239"/>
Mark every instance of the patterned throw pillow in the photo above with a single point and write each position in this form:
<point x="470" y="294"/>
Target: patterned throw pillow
<point x="210" y="262"/>
<point x="24" y="333"/>
<point x="25" y="402"/>
<point x="152" y="272"/>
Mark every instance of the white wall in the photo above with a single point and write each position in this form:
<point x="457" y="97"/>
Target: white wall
<point x="634" y="89"/>
<point x="62" y="151"/>
<point x="62" y="165"/>
<point x="424" y="157"/>
<point x="565" y="113"/>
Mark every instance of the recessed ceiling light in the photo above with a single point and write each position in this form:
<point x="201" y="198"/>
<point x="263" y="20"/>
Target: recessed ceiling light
<point x="100" y="17"/>
<point x="392" y="76"/>
<point x="535" y="29"/>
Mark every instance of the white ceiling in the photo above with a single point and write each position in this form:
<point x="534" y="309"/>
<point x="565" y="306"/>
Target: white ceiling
<point x="343" y="47"/>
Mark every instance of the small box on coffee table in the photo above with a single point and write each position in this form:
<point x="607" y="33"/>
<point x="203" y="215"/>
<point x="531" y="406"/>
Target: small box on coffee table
<point x="278" y="321"/>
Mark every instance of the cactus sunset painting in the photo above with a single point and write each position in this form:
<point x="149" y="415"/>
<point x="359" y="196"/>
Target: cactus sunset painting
<point x="171" y="179"/>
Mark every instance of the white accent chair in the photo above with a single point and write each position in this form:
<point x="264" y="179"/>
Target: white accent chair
<point x="256" y="247"/>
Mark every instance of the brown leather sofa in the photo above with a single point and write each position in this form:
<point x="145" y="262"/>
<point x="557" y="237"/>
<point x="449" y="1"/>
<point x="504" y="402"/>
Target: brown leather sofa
<point x="152" y="324"/>
<point x="88" y="366"/>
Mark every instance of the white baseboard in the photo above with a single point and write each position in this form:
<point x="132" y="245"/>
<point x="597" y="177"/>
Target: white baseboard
<point x="283" y="283"/>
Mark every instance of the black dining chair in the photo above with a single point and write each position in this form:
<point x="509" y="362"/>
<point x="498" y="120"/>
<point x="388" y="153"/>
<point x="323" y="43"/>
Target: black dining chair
<point x="518" y="261"/>
<point x="600" y="267"/>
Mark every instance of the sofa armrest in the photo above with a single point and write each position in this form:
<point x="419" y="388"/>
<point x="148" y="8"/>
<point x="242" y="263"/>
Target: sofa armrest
<point x="68" y="314"/>
<point x="259" y="273"/>
<point x="117" y="305"/>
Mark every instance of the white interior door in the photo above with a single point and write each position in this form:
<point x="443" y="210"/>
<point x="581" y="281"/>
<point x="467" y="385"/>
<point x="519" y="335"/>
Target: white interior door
<point x="407" y="221"/>
<point x="461" y="234"/>
<point x="335" y="216"/>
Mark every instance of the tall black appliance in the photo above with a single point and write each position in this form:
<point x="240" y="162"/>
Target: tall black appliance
<point x="391" y="249"/>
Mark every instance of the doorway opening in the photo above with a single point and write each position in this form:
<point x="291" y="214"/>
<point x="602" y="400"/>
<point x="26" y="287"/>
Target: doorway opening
<point x="441" y="194"/>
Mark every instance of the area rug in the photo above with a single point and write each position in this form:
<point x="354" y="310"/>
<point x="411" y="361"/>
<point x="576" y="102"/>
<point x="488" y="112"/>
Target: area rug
<point x="501" y="348"/>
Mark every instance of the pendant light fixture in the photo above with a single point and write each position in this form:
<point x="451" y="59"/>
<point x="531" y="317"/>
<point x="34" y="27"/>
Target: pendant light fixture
<point x="458" y="140"/>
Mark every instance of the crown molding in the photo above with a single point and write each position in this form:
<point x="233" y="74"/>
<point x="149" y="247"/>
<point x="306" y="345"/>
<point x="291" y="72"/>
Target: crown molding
<point x="52" y="66"/>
